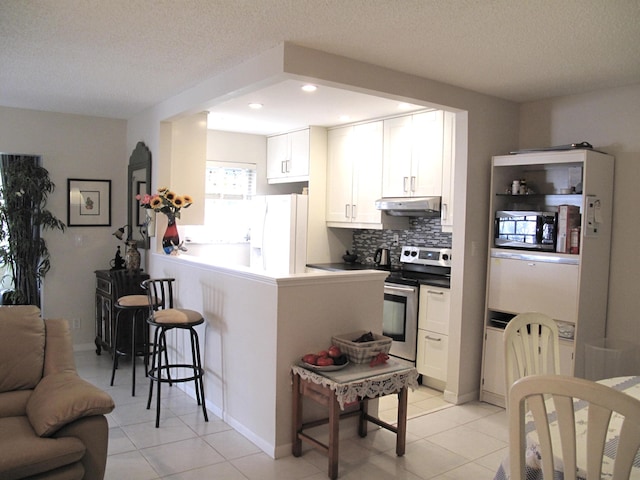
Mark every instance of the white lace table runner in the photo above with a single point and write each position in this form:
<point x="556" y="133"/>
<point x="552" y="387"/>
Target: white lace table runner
<point x="354" y="382"/>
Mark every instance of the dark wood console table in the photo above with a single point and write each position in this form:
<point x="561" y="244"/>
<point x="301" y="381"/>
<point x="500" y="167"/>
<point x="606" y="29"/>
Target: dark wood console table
<point x="105" y="312"/>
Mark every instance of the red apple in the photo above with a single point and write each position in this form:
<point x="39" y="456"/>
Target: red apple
<point x="310" y="358"/>
<point x="323" y="353"/>
<point x="325" y="361"/>
<point x="334" y="351"/>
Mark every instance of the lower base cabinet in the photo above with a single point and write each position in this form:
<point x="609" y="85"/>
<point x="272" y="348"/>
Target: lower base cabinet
<point x="433" y="335"/>
<point x="432" y="355"/>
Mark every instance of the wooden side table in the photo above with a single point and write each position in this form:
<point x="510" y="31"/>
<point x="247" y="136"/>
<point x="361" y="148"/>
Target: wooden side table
<point x="351" y="385"/>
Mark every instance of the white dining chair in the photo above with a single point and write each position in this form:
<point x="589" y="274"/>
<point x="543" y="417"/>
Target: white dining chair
<point x="602" y="402"/>
<point x="531" y="347"/>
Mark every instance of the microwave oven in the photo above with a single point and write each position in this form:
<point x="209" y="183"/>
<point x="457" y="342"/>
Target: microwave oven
<point x="526" y="230"/>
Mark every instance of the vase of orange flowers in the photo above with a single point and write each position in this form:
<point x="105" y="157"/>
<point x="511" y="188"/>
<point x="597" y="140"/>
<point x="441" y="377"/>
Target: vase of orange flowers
<point x="169" y="203"/>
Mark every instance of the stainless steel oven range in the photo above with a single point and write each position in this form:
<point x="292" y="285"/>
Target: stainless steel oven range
<point x="418" y="266"/>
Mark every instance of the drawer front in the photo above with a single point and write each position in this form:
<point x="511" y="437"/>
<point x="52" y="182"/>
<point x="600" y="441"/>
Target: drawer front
<point x="103" y="286"/>
<point x="434" y="309"/>
<point x="432" y="357"/>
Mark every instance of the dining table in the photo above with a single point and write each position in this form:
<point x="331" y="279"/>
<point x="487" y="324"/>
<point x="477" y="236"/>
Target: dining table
<point x="533" y="465"/>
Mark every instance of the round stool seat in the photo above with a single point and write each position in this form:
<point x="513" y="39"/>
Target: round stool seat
<point x="180" y="317"/>
<point x="131" y="305"/>
<point x="134" y="301"/>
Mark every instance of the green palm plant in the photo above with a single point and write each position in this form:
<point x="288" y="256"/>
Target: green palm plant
<point x="23" y="252"/>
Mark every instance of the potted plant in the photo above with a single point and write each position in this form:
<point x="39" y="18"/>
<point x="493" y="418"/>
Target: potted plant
<point x="23" y="252"/>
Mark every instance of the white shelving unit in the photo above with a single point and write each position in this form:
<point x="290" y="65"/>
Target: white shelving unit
<point x="571" y="288"/>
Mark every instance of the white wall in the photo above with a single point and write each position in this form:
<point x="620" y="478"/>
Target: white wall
<point x="609" y="120"/>
<point x="73" y="146"/>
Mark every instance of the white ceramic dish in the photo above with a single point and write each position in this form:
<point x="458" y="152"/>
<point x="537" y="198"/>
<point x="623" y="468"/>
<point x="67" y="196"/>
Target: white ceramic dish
<point x="327" y="368"/>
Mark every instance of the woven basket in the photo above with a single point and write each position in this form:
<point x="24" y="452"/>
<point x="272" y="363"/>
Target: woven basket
<point x="362" y="352"/>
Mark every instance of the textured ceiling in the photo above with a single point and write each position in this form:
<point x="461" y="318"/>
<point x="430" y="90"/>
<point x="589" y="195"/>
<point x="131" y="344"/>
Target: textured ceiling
<point x="115" y="58"/>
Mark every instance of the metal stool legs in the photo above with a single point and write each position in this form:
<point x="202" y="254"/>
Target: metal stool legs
<point x="134" y="347"/>
<point x="157" y="368"/>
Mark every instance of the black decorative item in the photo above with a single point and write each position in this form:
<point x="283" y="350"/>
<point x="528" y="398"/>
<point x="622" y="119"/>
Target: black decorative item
<point x="118" y="262"/>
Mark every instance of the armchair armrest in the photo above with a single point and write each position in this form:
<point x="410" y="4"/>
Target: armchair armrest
<point x="61" y="398"/>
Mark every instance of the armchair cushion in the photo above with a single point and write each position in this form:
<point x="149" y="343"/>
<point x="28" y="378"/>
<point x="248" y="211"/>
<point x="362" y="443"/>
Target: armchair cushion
<point x="25" y="455"/>
<point x="22" y="333"/>
<point x="61" y="398"/>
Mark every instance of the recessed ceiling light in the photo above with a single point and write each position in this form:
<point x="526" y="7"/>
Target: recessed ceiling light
<point x="344" y="118"/>
<point x="404" y="106"/>
<point x="255" y="106"/>
<point x="309" y="88"/>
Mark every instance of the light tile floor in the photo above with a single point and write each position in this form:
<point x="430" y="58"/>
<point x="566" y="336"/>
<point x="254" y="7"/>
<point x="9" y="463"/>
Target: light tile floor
<point x="443" y="442"/>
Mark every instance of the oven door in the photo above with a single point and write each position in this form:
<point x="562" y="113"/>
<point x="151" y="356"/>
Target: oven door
<point x="400" y="319"/>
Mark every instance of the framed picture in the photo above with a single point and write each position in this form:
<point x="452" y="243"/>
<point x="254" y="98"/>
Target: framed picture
<point x="89" y="203"/>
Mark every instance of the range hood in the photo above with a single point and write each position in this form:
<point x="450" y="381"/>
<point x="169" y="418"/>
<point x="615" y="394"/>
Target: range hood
<point x="410" y="206"/>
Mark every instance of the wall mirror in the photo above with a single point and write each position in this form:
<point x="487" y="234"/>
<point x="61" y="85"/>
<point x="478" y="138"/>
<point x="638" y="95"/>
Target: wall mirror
<point x="139" y="183"/>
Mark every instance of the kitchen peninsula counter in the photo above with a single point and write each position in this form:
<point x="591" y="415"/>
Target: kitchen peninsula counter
<point x="257" y="325"/>
<point x="341" y="266"/>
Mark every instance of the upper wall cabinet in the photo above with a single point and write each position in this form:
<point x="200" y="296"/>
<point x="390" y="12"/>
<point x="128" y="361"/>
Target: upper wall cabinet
<point x="412" y="163"/>
<point x="289" y="155"/>
<point x="354" y="177"/>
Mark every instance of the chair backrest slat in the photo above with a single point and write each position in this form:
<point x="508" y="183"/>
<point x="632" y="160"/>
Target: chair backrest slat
<point x="531" y="347"/>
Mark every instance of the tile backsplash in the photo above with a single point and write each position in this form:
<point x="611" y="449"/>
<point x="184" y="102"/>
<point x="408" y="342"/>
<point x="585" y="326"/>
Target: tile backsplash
<point x="422" y="232"/>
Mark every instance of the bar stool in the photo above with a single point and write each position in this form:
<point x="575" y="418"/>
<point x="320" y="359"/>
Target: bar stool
<point x="165" y="317"/>
<point x="133" y="302"/>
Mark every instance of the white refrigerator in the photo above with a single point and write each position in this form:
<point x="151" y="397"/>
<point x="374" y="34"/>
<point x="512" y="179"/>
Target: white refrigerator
<point x="279" y="233"/>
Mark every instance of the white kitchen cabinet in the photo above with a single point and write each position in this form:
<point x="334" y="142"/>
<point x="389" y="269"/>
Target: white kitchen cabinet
<point x="433" y="349"/>
<point x="412" y="164"/>
<point x="566" y="357"/>
<point x="433" y="335"/>
<point x="448" y="170"/>
<point x="354" y="175"/>
<point x="493" y="380"/>
<point x="434" y="309"/>
<point x="522" y="282"/>
<point x="289" y="155"/>
<point x="571" y="288"/>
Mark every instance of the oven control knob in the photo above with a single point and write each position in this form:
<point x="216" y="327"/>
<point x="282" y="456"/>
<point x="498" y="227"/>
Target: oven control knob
<point x="414" y="253"/>
<point x="445" y="256"/>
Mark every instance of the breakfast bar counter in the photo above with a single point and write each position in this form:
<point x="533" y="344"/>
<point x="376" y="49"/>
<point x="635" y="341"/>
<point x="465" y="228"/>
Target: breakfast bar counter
<point x="256" y="326"/>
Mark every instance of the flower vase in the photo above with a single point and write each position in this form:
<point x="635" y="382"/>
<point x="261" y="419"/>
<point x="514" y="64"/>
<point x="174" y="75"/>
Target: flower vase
<point x="171" y="238"/>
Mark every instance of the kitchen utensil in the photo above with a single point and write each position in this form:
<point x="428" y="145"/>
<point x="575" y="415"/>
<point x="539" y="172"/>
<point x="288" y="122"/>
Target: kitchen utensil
<point x="382" y="258"/>
<point x="349" y="257"/>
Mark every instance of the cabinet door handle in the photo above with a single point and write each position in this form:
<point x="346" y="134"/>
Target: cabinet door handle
<point x="283" y="166"/>
<point x="354" y="213"/>
<point x="413" y="184"/>
<point x="434" y="292"/>
<point x="346" y="211"/>
<point x="443" y="212"/>
<point x="429" y="337"/>
<point x="288" y="163"/>
<point x="531" y="264"/>
<point x="405" y="184"/>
